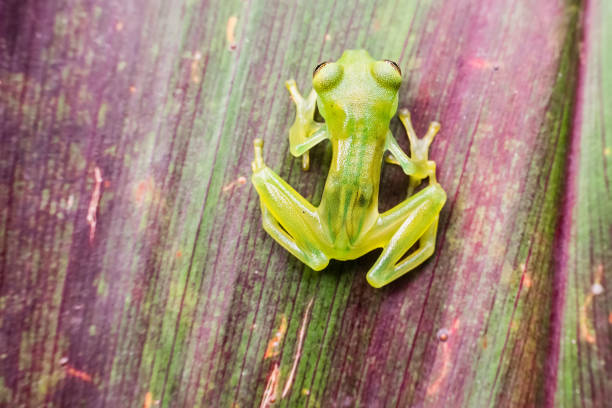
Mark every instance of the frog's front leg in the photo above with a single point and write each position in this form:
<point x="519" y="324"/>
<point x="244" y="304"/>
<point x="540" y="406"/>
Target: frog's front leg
<point x="415" y="219"/>
<point x="417" y="166"/>
<point x="305" y="133"/>
<point x="291" y="220"/>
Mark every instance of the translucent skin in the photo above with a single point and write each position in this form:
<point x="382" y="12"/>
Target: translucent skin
<point x="357" y="97"/>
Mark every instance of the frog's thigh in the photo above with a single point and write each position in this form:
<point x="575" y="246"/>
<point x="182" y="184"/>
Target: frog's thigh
<point x="415" y="219"/>
<point x="289" y="218"/>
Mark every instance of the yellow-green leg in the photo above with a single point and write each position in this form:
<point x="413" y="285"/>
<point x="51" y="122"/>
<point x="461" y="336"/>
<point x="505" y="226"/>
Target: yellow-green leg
<point x="415" y="219"/>
<point x="287" y="217"/>
<point x="305" y="132"/>
<point x="419" y="148"/>
<point x="419" y="164"/>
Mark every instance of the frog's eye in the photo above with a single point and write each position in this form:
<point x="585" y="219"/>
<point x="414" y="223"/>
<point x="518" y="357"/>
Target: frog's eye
<point x="326" y="76"/>
<point x="394" y="64"/>
<point x="318" y="67"/>
<point x="387" y="73"/>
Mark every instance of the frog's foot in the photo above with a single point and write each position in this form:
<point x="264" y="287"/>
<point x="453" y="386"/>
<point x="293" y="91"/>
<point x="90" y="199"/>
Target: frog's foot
<point x="258" y="163"/>
<point x="415" y="219"/>
<point x="304" y="127"/>
<point x="308" y="254"/>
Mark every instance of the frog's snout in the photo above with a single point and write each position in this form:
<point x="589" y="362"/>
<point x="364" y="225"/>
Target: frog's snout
<point x="356" y="53"/>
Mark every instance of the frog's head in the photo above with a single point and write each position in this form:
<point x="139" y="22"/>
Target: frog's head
<point x="357" y="86"/>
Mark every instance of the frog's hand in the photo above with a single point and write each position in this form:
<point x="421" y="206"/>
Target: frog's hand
<point x="418" y="167"/>
<point x="419" y="148"/>
<point x="305" y="132"/>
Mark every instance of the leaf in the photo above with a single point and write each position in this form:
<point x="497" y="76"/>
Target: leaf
<point x="134" y="268"/>
<point x="582" y="313"/>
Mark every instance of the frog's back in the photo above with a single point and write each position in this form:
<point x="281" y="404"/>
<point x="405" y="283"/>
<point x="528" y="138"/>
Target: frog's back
<point x="357" y="96"/>
<point x="349" y="205"/>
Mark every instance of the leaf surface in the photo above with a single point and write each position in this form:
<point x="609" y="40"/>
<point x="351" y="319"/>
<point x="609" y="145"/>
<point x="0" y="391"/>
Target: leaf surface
<point x="134" y="268"/>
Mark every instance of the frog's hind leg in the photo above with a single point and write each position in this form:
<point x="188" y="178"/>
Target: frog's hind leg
<point x="415" y="219"/>
<point x="286" y="215"/>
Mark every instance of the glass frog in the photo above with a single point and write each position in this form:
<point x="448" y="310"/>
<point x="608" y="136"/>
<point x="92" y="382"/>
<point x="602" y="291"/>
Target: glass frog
<point x="357" y="96"/>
